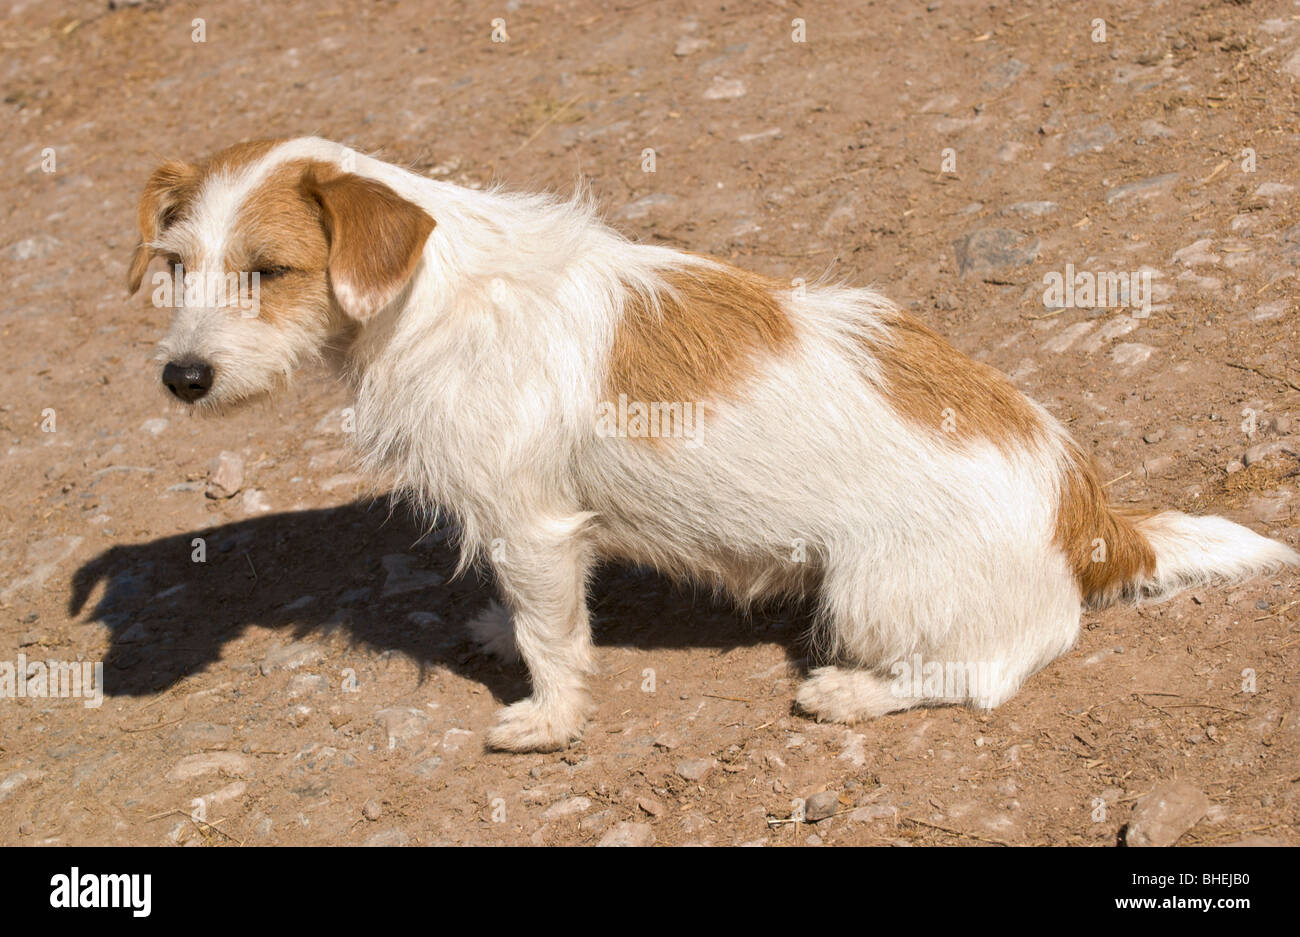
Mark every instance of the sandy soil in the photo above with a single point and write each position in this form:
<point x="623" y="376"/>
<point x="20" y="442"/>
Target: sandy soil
<point x="313" y="681"/>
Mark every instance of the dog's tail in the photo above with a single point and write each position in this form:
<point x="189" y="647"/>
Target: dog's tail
<point x="1118" y="557"/>
<point x="1193" y="551"/>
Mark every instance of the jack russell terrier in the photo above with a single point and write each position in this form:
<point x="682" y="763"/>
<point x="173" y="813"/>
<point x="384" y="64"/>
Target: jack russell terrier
<point x="569" y="396"/>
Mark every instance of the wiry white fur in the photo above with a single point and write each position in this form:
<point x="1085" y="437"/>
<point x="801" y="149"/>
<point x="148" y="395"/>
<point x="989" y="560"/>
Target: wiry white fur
<point x="1195" y="551"/>
<point x="476" y="391"/>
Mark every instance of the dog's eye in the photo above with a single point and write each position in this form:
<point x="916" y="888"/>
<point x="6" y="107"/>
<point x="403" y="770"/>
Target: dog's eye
<point x="270" y="271"/>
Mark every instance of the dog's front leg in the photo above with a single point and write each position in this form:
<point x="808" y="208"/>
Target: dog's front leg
<point x="543" y="580"/>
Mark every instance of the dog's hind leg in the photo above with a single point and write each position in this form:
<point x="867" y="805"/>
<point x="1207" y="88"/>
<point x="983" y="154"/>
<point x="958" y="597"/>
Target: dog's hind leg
<point x="543" y="578"/>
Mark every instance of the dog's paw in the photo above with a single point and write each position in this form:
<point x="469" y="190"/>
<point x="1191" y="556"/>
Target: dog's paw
<point x="494" y="633"/>
<point x="526" y="726"/>
<point x="837" y="694"/>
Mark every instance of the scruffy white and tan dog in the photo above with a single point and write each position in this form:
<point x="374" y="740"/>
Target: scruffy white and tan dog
<point x="569" y="396"/>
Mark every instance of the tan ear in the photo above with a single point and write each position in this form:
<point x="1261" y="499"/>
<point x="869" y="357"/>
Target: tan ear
<point x="166" y="191"/>
<point x="375" y="238"/>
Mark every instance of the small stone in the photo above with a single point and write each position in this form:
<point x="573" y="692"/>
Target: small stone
<point x="1092" y="140"/>
<point x="724" y="89"/>
<point x="1198" y="252"/>
<point x="388" y="838"/>
<point x="1031" y="209"/>
<point x="373" y="810"/>
<point x="690" y="44"/>
<point x="821" y="806"/>
<point x="668" y="741"/>
<point x="1270" y="190"/>
<point x="402" y="578"/>
<point x="1263" y="450"/>
<point x="1165" y="814"/>
<point x="1270" y="507"/>
<point x="1129" y="355"/>
<point x="255" y="502"/>
<point x="642" y="207"/>
<point x="1282" y="425"/>
<point x="595" y="822"/>
<point x="872" y="812"/>
<point x="1154" y="436"/>
<point x="154" y="427"/>
<point x="629" y="834"/>
<point x="1266" y="311"/>
<point x="1143" y="188"/>
<point x="292" y="657"/>
<point x="566" y="808"/>
<point x="402" y="724"/>
<point x="1233" y="467"/>
<point x="225" y="475"/>
<point x="694" y="770"/>
<point x="194" y="766"/>
<point x="994" y="248"/>
<point x="650" y="806"/>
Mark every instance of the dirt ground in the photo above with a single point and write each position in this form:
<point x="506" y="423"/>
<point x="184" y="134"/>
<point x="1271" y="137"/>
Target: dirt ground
<point x="312" y="682"/>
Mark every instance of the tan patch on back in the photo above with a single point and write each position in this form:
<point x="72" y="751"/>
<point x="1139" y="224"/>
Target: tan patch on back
<point x="1108" y="555"/>
<point x="698" y="339"/>
<point x="931" y="383"/>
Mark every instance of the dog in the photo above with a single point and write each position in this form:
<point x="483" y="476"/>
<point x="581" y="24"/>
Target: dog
<point x="569" y="396"/>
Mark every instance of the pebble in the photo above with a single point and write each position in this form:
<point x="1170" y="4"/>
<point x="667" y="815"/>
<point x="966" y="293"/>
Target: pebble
<point x="1263" y="450"/>
<point x="1165" y="814"/>
<point x="1198" y="252"/>
<point x="724" y="89"/>
<point x="994" y="248"/>
<point x="402" y="724"/>
<point x="566" y="808"/>
<point x="1031" y="209"/>
<point x="194" y="766"/>
<point x="1266" y="311"/>
<point x="1092" y="140"/>
<point x="32" y="248"/>
<point x="650" y="806"/>
<point x="642" y="207"/>
<point x="629" y="834"/>
<point x="154" y="427"/>
<point x="1270" y="507"/>
<point x="225" y="475"/>
<point x="690" y="44"/>
<point x="387" y="838"/>
<point x="1129" y="355"/>
<point x="292" y="657"/>
<point x="695" y="769"/>
<point x="821" y="806"/>
<point x="255" y="502"/>
<point x="867" y="814"/>
<point x="402" y="578"/>
<point x="372" y="810"/>
<point x="1143" y="188"/>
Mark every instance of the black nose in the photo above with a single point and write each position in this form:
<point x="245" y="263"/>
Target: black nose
<point x="188" y="381"/>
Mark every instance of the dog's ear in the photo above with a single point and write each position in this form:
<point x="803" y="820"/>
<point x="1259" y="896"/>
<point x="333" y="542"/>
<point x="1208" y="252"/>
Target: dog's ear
<point x="375" y="238"/>
<point x="164" y="194"/>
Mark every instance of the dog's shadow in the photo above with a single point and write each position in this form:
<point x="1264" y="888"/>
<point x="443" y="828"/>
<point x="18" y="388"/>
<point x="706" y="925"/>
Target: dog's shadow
<point x="171" y="604"/>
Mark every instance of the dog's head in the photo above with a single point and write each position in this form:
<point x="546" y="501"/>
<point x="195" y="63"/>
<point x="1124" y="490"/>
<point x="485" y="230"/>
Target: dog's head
<point x="273" y="253"/>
